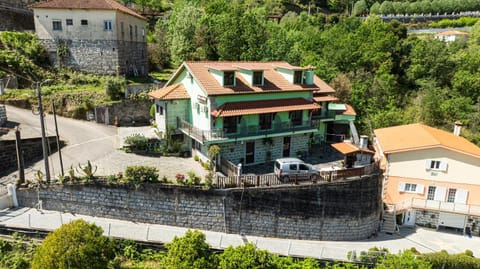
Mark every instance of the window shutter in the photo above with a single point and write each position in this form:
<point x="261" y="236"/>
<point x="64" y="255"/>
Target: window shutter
<point x="443" y="166"/>
<point x="440" y="194"/>
<point x="420" y="189"/>
<point x="401" y="187"/>
<point x="461" y="196"/>
<point x="427" y="164"/>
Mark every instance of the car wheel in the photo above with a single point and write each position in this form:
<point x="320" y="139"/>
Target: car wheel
<point x="314" y="178"/>
<point x="285" y="179"/>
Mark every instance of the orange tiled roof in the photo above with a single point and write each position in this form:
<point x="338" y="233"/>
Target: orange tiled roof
<point x="87" y="4"/>
<point x="273" y="81"/>
<point x="350" y="111"/>
<point x="349" y="148"/>
<point x="265" y="106"/>
<point x="325" y="98"/>
<point x="418" y="136"/>
<point x="175" y="91"/>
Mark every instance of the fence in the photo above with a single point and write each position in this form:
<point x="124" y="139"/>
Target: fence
<point x="434" y="205"/>
<point x="234" y="181"/>
<point x="3" y="115"/>
<point x="228" y="168"/>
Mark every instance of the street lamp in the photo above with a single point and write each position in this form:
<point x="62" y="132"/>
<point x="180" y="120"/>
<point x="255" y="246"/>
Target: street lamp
<point x="42" y="127"/>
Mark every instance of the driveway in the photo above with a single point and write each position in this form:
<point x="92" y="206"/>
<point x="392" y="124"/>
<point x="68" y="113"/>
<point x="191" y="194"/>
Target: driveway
<point x="88" y="141"/>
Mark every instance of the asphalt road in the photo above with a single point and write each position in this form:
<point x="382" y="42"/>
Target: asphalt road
<point x="84" y="140"/>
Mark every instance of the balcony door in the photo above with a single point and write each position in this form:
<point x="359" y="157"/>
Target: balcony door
<point x="250" y="152"/>
<point x="286" y="146"/>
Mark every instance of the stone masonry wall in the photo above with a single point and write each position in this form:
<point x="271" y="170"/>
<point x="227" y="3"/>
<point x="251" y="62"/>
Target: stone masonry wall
<point x="107" y="57"/>
<point x="32" y="152"/>
<point x="346" y="210"/>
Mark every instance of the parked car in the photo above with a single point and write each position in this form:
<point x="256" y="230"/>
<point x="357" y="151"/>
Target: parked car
<point x="292" y="169"/>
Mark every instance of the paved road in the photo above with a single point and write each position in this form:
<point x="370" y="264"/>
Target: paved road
<point x="89" y="141"/>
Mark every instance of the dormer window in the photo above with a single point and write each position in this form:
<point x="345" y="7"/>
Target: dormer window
<point x="257" y="78"/>
<point x="229" y="78"/>
<point x="297" y="77"/>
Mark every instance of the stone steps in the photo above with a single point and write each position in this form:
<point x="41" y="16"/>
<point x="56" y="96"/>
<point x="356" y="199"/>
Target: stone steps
<point x="389" y="224"/>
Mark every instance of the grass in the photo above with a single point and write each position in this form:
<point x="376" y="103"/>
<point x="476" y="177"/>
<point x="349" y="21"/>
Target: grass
<point x="162" y="75"/>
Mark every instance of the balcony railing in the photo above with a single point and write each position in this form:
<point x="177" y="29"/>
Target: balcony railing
<point x="416" y="203"/>
<point x="244" y="131"/>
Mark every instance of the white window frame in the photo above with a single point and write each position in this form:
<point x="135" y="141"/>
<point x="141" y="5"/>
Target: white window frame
<point x="411" y="187"/>
<point x="107" y="25"/>
<point x="436" y="165"/>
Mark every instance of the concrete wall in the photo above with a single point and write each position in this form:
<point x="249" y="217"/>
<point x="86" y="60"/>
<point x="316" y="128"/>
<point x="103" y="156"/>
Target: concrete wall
<point x="130" y="113"/>
<point x="32" y="152"/>
<point x="347" y="210"/>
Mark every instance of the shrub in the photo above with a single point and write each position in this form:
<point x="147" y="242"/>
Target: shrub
<point x="189" y="252"/>
<point x="140" y="173"/>
<point x="196" y="158"/>
<point x="193" y="179"/>
<point x="77" y="244"/>
<point x="136" y="141"/>
<point x="114" y="87"/>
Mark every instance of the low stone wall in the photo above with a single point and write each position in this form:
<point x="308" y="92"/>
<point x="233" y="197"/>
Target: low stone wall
<point x="32" y="152"/>
<point x="347" y="210"/>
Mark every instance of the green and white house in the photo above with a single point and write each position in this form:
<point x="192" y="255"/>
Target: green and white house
<point x="254" y="111"/>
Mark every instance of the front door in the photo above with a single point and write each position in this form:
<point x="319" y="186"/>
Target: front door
<point x="286" y="146"/>
<point x="409" y="218"/>
<point x="250" y="152"/>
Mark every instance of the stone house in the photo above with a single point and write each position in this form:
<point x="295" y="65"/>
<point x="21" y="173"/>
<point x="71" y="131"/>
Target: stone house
<point x="450" y="36"/>
<point x="431" y="176"/>
<point x="254" y="111"/>
<point x="101" y="36"/>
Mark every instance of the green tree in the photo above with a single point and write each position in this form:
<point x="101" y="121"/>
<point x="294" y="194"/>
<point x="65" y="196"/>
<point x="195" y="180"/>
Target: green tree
<point x="405" y="259"/>
<point x="387" y="8"/>
<point x="244" y="257"/>
<point x="360" y="8"/>
<point x="189" y="252"/>
<point x="181" y="32"/>
<point x="375" y="8"/>
<point x="77" y="244"/>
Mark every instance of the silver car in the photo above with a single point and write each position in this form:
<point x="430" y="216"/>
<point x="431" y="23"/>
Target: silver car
<point x="293" y="169"/>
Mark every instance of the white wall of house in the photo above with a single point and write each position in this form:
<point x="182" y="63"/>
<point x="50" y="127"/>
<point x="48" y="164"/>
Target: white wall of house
<point x="95" y="28"/>
<point x="460" y="168"/>
<point x="286" y="73"/>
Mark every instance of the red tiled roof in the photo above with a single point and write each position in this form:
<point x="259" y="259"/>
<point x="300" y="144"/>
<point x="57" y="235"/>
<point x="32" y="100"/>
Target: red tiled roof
<point x="265" y="106"/>
<point x="350" y="111"/>
<point x="273" y="80"/>
<point x="175" y="91"/>
<point x="451" y="33"/>
<point x="418" y="136"/>
<point x="86" y="4"/>
<point x="325" y="98"/>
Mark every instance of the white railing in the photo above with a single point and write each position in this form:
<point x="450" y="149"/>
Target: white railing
<point x="435" y="205"/>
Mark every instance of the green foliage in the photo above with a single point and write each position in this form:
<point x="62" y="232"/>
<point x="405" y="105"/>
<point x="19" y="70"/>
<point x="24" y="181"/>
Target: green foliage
<point x="140" y="173"/>
<point x="136" y="141"/>
<point x="405" y="259"/>
<point x="16" y="254"/>
<point x="450" y="261"/>
<point x="360" y="8"/>
<point x="77" y="244"/>
<point x="114" y="88"/>
<point x="460" y="22"/>
<point x="189" y="252"/>
<point x="88" y="170"/>
<point x="244" y="257"/>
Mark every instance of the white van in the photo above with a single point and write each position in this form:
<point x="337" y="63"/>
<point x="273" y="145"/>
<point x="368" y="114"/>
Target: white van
<point x="292" y="169"/>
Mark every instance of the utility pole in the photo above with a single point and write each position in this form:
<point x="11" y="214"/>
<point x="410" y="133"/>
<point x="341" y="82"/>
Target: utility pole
<point x="58" y="137"/>
<point x="42" y="126"/>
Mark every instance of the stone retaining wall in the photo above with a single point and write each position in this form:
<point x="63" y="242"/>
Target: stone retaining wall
<point x="32" y="152"/>
<point x="347" y="210"/>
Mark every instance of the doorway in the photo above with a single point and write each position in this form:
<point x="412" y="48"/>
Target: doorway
<point x="409" y="218"/>
<point x="286" y="146"/>
<point x="250" y="152"/>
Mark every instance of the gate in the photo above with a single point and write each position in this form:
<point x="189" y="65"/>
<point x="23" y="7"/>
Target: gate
<point x="101" y="115"/>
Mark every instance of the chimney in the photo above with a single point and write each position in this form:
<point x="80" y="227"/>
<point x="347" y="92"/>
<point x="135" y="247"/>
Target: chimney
<point x="457" y="128"/>
<point x="363" y="142"/>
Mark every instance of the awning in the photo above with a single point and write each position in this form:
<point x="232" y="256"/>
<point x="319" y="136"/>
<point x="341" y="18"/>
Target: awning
<point x="348" y="148"/>
<point x="337" y="107"/>
<point x="325" y="98"/>
<point x="172" y="92"/>
<point x="265" y="106"/>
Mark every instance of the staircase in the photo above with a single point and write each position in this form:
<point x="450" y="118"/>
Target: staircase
<point x="390" y="223"/>
<point x="354" y="132"/>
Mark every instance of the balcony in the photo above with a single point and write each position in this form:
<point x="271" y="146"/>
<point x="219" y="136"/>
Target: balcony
<point x="422" y="204"/>
<point x="245" y="131"/>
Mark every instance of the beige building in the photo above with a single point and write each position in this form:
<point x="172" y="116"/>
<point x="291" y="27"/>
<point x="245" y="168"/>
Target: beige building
<point x="100" y="36"/>
<point x="432" y="177"/>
